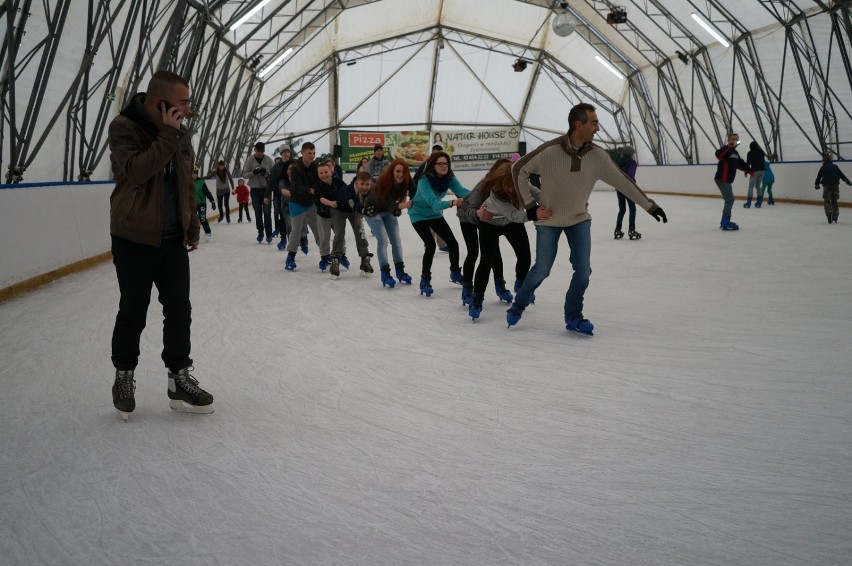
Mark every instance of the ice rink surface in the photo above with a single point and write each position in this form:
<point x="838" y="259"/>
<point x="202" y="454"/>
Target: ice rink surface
<point x="708" y="421"/>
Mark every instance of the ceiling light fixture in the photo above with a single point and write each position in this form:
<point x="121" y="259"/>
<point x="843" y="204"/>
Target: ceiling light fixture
<point x="711" y="30"/>
<point x="249" y="14"/>
<point x="275" y="63"/>
<point x="609" y="66"/>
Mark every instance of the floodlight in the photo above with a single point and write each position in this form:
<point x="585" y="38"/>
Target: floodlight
<point x="249" y="14"/>
<point x="711" y="30"/>
<point x="275" y="63"/>
<point x="610" y="67"/>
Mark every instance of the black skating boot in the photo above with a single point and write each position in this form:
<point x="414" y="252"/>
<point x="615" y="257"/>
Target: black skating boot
<point x="633" y="234"/>
<point x="186" y="395"/>
<point x="122" y="392"/>
<point x="618" y="233"/>
<point x="366" y="267"/>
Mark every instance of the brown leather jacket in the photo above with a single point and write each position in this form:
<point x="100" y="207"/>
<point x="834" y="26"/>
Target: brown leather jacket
<point x="139" y="154"/>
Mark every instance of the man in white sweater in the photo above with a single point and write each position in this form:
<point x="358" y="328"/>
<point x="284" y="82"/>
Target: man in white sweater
<point x="568" y="167"/>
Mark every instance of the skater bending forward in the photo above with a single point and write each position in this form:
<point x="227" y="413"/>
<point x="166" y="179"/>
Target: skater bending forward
<point x="153" y="224"/>
<point x="568" y="167"/>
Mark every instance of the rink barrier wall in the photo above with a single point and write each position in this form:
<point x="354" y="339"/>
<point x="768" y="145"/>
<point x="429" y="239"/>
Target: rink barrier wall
<point x="51" y="230"/>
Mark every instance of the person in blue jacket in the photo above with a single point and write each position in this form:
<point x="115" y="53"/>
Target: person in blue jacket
<point x="726" y="172"/>
<point x="427" y="213"/>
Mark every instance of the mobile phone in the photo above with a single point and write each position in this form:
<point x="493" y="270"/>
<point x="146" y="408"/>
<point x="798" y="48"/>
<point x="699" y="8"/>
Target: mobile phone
<point x="738" y="142"/>
<point x="166" y="104"/>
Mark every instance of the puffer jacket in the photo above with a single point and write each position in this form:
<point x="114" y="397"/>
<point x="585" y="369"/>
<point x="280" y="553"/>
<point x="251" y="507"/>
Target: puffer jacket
<point x="140" y="152"/>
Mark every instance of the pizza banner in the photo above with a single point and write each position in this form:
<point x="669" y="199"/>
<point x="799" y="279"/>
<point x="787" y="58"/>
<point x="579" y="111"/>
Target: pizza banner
<point x="469" y="149"/>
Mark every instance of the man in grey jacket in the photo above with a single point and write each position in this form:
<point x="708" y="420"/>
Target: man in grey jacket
<point x="256" y="173"/>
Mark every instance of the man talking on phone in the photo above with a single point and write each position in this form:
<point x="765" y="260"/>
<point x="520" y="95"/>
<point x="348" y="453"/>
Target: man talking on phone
<point x="154" y="225"/>
<point x="726" y="172"/>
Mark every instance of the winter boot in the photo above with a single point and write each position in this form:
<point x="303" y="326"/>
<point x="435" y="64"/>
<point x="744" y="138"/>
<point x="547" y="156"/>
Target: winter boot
<point x="759" y="202"/>
<point x="401" y="274"/>
<point x="303" y="244"/>
<point x="633" y="234"/>
<point x="366" y="267"/>
<point x="475" y="306"/>
<point x="518" y="283"/>
<point x="426" y="285"/>
<point x="122" y="392"/>
<point x="290" y="262"/>
<point x="467" y="293"/>
<point x="387" y="280"/>
<point x="727" y="225"/>
<point x="456" y="276"/>
<point x="747" y="203"/>
<point x="579" y="324"/>
<point x="335" y="267"/>
<point x="513" y="315"/>
<point x="502" y="292"/>
<point x="344" y="261"/>
<point x="618" y="234"/>
<point x="186" y="395"/>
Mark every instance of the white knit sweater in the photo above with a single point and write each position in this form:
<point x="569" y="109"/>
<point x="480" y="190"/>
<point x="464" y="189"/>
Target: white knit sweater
<point x="567" y="180"/>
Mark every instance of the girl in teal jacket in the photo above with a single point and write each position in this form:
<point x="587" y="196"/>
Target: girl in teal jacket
<point x="427" y="214"/>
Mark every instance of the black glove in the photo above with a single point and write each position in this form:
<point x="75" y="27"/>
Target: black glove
<point x="262" y="172"/>
<point x="256" y="170"/>
<point x="658" y="213"/>
<point x="370" y="210"/>
<point x="816" y="187"/>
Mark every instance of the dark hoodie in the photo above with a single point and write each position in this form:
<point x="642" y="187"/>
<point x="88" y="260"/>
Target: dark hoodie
<point x="154" y="196"/>
<point x="756" y="158"/>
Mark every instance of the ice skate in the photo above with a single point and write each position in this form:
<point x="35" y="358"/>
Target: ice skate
<point x="759" y="202"/>
<point x="325" y="262"/>
<point x="514" y="314"/>
<point x="727" y="225"/>
<point x="290" y="262"/>
<point x="207" y="237"/>
<point x="633" y="234"/>
<point x="401" y="274"/>
<point x="303" y="244"/>
<point x="618" y="234"/>
<point x="580" y="325"/>
<point x="268" y="240"/>
<point x="334" y="270"/>
<point x="467" y="294"/>
<point x="260" y="237"/>
<point x="186" y="395"/>
<point x="344" y="261"/>
<point x="456" y="277"/>
<point x="366" y="266"/>
<point x="747" y="203"/>
<point x="502" y="292"/>
<point x="123" y="389"/>
<point x="426" y="285"/>
<point x="475" y="306"/>
<point x="387" y="279"/>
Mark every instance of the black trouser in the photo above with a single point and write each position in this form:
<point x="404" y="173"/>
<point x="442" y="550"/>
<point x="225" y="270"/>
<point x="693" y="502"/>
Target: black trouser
<point x="138" y="268"/>
<point x="471" y="241"/>
<point x="201" y="209"/>
<point x="262" y="212"/>
<point x="224" y="206"/>
<point x="489" y="246"/>
<point x="442" y="229"/>
<point x="277" y="214"/>
<point x="244" y="206"/>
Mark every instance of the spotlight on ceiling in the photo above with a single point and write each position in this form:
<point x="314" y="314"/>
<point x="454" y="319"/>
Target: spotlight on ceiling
<point x="618" y="15"/>
<point x="684" y="59"/>
<point x="519" y="65"/>
<point x="563" y="24"/>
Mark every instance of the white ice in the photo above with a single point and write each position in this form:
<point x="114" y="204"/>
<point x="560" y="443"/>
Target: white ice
<point x="708" y="421"/>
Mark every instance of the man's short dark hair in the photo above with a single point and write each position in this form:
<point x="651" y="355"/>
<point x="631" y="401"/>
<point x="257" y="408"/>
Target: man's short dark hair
<point x="579" y="113"/>
<point x="162" y="82"/>
<point x="308" y="145"/>
<point x="437" y="147"/>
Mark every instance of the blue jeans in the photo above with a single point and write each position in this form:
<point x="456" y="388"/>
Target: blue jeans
<point x="385" y="227"/>
<point x="546" y="242"/>
<point x="728" y="194"/>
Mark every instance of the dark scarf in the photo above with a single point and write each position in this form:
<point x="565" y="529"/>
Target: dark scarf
<point x="439" y="184"/>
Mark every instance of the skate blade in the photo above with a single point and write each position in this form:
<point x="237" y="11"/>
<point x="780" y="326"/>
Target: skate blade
<point x="184" y="407"/>
<point x="365" y="274"/>
<point x="581" y="333"/>
<point x="333" y="277"/>
<point x="124" y="415"/>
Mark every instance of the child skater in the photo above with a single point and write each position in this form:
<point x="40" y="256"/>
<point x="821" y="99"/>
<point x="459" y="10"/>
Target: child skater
<point x="201" y="191"/>
<point x="325" y="198"/>
<point x="768" y="180"/>
<point x="242" y="192"/>
<point x="382" y="207"/>
<point x="347" y="208"/>
<point x="501" y="214"/>
<point x="224" y="188"/>
<point x="427" y="214"/>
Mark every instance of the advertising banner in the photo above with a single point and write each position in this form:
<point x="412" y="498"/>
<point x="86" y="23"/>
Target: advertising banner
<point x="477" y="149"/>
<point x="412" y="146"/>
